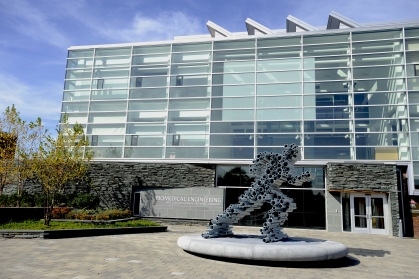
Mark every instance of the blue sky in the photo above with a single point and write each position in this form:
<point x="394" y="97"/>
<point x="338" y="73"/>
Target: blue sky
<point x="35" y="34"/>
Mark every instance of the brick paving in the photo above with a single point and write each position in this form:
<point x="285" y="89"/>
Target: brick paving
<point x="156" y="255"/>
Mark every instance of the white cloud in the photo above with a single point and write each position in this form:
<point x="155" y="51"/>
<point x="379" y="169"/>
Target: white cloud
<point x="31" y="101"/>
<point x="32" y="22"/>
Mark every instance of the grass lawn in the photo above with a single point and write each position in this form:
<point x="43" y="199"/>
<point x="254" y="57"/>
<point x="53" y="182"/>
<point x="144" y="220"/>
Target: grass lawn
<point x="39" y="225"/>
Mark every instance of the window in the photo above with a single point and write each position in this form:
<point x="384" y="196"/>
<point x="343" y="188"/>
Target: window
<point x="139" y="82"/>
<point x="94" y="140"/>
<point x="179" y="80"/>
<point x="100" y="83"/>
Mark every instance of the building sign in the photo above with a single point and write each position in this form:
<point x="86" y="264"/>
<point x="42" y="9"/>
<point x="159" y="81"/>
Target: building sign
<point x="189" y="203"/>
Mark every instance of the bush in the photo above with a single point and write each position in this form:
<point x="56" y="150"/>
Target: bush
<point x="82" y="215"/>
<point x="86" y="201"/>
<point x="60" y="213"/>
<point x="112" y="214"/>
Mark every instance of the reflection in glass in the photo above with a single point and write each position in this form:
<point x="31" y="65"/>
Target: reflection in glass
<point x="191" y="57"/>
<point x="191" y="115"/>
<point x="279" y="89"/>
<point x="328" y="126"/>
<point x="382" y="153"/>
<point x="279" y="65"/>
<point x="377" y="59"/>
<point x="232" y="140"/>
<point x="107" y="117"/>
<point x="190" y="80"/>
<point x="380" y="112"/>
<point x="80" y="53"/>
<point x="327" y="139"/>
<point x="332" y="74"/>
<point x="80" y="63"/>
<point x="139" y="152"/>
<point x="383" y="46"/>
<point x="191" y="47"/>
<point x="147" y="116"/>
<point x="275" y="114"/>
<point x="322" y="50"/>
<point x="76" y="95"/>
<point x="113" y="51"/>
<point x="326" y="62"/>
<point x="384" y="125"/>
<point x="184" y="92"/>
<point x="106" y="129"/>
<point x="231" y="115"/>
<point x="187" y="128"/>
<point x="376" y="35"/>
<point x="326" y="39"/>
<point x="110" y="83"/>
<point x="108" y="106"/>
<point x="278" y="127"/>
<point x="277" y="140"/>
<point x="148" y="93"/>
<point x="223" y="103"/>
<point x="77" y="74"/>
<point x="232" y="127"/>
<point x="74" y="118"/>
<point x="327" y="113"/>
<point x="109" y="94"/>
<point x="186" y="152"/>
<point x="233" y="176"/>
<point x="150" y="71"/>
<point x="187" y="140"/>
<point x="234" y="44"/>
<point x="185" y="104"/>
<point x="231" y="91"/>
<point x="247" y="54"/>
<point x="145" y="129"/>
<point x="279" y="101"/>
<point x="328" y="153"/>
<point x="279" y="42"/>
<point x="190" y="69"/>
<point x="378" y="72"/>
<point x="106" y="152"/>
<point x="74" y="107"/>
<point x="151" y="59"/>
<point x="233" y="78"/>
<point x="233" y="67"/>
<point x="112" y="61"/>
<point x="388" y="139"/>
<point x="149" y="81"/>
<point x="231" y="153"/>
<point x="280" y="52"/>
<point x="106" y="140"/>
<point x="148" y="105"/>
<point x="134" y="140"/>
<point x="76" y="84"/>
<point x="327" y="100"/>
<point x="151" y="49"/>
<point x="327" y="87"/>
<point x="380" y="98"/>
<point x="270" y="77"/>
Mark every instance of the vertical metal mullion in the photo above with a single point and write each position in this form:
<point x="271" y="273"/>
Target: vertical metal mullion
<point x="128" y="97"/>
<point x="255" y="109"/>
<point x="91" y="89"/>
<point x="352" y="119"/>
<point x="302" y="134"/>
<point x="167" y="103"/>
<point x="211" y="62"/>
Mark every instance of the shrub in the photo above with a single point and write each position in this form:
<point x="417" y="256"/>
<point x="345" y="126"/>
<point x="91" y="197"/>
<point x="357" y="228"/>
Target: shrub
<point x="60" y="213"/>
<point x="82" y="215"/>
<point x="86" y="201"/>
<point x="112" y="214"/>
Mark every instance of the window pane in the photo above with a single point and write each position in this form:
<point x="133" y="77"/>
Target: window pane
<point x="232" y="140"/>
<point x="281" y="65"/>
<point x="76" y="84"/>
<point x="244" y="66"/>
<point x="381" y="112"/>
<point x="279" y="127"/>
<point x="108" y="106"/>
<point x="376" y="35"/>
<point x="110" y="83"/>
<point x="106" y="152"/>
<point x="328" y="126"/>
<point x="74" y="107"/>
<point x="147" y="116"/>
<point x="109" y="94"/>
<point x="186" y="152"/>
<point x="189" y="104"/>
<point x="151" y="49"/>
<point x="229" y="91"/>
<point x="148" y="105"/>
<point x="327" y="139"/>
<point x="192" y="115"/>
<point x="189" y="80"/>
<point x="280" y="52"/>
<point x="327" y="113"/>
<point x="390" y="139"/>
<point x="138" y="152"/>
<point x="151" y="59"/>
<point x="144" y="141"/>
<point x="379" y="85"/>
<point x="231" y="152"/>
<point x="148" y="93"/>
<point x="384" y="125"/>
<point x="332" y="74"/>
<point x="277" y="140"/>
<point x="340" y="38"/>
<point x="223" y="103"/>
<point x="80" y="53"/>
<point x="413" y="83"/>
<point x="378" y="59"/>
<point x="106" y="129"/>
<point x="150" y="71"/>
<point x="191" y="47"/>
<point x="112" y="61"/>
<point x="233" y="176"/>
<point x="108" y="140"/>
<point x="232" y="127"/>
<point x="283" y="101"/>
<point x="327" y="153"/>
<point x="191" y="69"/>
<point x="231" y="115"/>
<point x="145" y="129"/>
<point x="278" y="114"/>
<point x="187" y="140"/>
<point x="383" y="46"/>
<point x="80" y="63"/>
<point x="382" y="153"/>
<point x="149" y="81"/>
<point x="279" y="42"/>
<point x="180" y="92"/>
<point x="323" y="50"/>
<point x="414" y="32"/>
<point x="412" y="70"/>
<point x="113" y="51"/>
<point x="233" y="78"/>
<point x="234" y="44"/>
<point x="380" y="98"/>
<point x="187" y="128"/>
<point x="413" y="97"/>
<point x="191" y="57"/>
<point x="104" y="73"/>
<point x="326" y="87"/>
<point x="76" y="95"/>
<point x="378" y="72"/>
<point x="414" y="111"/>
<point x="327" y="100"/>
<point x="77" y="74"/>
<point x="270" y="77"/>
<point x="74" y="118"/>
<point x="108" y="117"/>
<point x="234" y="55"/>
<point x="326" y="62"/>
<point x="279" y="89"/>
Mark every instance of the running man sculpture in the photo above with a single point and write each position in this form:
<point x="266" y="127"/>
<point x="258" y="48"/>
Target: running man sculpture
<point x="271" y="171"/>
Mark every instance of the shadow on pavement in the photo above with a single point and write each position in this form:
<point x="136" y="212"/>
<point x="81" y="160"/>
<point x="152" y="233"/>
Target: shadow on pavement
<point x="339" y="263"/>
<point x="368" y="252"/>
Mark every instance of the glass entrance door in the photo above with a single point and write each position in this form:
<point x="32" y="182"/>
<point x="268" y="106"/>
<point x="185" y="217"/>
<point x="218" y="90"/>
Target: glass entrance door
<point x="368" y="213"/>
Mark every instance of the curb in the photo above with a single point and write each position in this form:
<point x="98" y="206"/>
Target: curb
<point x="56" y="234"/>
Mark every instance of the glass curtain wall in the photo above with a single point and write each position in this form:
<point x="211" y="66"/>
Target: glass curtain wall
<point x="350" y="95"/>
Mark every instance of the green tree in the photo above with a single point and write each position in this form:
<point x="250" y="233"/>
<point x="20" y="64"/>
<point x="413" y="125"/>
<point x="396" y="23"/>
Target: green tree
<point x="19" y="142"/>
<point x="61" y="160"/>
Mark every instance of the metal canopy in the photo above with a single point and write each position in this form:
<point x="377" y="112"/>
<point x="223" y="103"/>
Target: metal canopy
<point x="293" y="23"/>
<point x="214" y="29"/>
<point x="252" y="25"/>
<point x="337" y="21"/>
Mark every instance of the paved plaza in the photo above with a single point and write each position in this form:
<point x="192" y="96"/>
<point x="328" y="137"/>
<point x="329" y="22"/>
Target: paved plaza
<point x="156" y="255"/>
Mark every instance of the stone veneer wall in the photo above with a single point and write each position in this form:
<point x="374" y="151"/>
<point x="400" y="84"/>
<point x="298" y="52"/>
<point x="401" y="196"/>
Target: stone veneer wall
<point x="113" y="181"/>
<point x="366" y="178"/>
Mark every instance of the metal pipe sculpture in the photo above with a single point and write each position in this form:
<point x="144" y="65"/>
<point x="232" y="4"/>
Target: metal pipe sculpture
<point x="271" y="171"/>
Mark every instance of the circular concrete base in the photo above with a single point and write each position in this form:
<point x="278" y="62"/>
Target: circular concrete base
<point x="251" y="247"/>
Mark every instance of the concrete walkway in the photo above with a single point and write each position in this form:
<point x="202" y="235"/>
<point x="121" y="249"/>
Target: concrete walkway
<point x="156" y="255"/>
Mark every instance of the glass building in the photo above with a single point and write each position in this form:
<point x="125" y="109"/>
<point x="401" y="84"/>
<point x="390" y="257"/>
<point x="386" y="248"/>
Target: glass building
<point x="346" y="93"/>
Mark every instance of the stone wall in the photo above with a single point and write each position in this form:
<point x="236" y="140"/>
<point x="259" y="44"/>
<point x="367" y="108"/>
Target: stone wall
<point x="113" y="181"/>
<point x="377" y="178"/>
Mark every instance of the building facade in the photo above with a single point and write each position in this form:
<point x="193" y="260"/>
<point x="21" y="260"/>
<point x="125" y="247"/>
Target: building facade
<point x="347" y="94"/>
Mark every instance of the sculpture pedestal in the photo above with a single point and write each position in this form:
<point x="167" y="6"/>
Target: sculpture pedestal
<point x="251" y="247"/>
